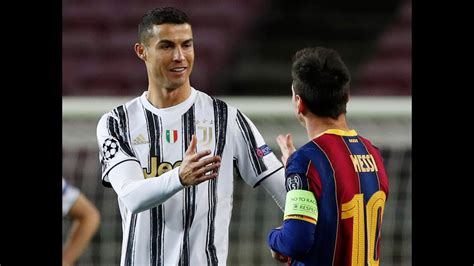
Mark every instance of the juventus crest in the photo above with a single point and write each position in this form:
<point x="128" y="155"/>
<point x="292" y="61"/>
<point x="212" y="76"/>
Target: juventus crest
<point x="205" y="132"/>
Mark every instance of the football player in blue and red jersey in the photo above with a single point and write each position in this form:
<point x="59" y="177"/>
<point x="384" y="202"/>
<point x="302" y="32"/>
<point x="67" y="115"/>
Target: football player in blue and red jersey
<point x="336" y="183"/>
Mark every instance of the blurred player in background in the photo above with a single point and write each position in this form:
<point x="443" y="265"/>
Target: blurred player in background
<point x="337" y="185"/>
<point x="169" y="154"/>
<point x="85" y="222"/>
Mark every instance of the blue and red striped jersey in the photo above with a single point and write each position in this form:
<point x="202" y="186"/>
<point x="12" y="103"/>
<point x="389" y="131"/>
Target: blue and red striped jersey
<point x="348" y="178"/>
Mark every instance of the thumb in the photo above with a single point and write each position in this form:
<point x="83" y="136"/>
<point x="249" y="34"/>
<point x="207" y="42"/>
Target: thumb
<point x="192" y="146"/>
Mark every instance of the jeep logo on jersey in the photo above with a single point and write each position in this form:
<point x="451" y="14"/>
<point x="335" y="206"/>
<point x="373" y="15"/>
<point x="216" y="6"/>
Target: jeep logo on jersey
<point x="157" y="169"/>
<point x="293" y="182"/>
<point x="205" y="135"/>
<point x="110" y="147"/>
<point x="171" y="136"/>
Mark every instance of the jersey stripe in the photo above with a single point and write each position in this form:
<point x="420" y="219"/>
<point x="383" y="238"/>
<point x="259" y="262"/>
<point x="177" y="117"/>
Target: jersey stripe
<point x="257" y="162"/>
<point x="122" y="130"/>
<point x="130" y="242"/>
<point x="115" y="131"/>
<point x="369" y="181"/>
<point x="188" y="129"/>
<point x="156" y="213"/>
<point x="220" y="125"/>
<point x="220" y="128"/>
<point x="327" y="229"/>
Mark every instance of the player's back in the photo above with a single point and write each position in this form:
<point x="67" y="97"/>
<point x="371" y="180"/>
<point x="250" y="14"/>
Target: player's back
<point x="347" y="176"/>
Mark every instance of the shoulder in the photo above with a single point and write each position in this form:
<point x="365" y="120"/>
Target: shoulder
<point x="218" y="104"/>
<point x="116" y="112"/>
<point x="298" y="161"/>
<point x="368" y="143"/>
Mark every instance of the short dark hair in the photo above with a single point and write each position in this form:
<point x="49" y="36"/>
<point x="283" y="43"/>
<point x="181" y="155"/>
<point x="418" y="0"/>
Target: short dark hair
<point x="321" y="79"/>
<point x="158" y="16"/>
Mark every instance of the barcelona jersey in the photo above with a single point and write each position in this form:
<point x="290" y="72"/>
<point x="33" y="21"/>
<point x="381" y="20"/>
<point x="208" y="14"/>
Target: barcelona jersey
<point x="346" y="174"/>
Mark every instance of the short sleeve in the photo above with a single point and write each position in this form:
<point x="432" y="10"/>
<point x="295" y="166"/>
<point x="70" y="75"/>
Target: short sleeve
<point x="113" y="145"/>
<point x="295" y="174"/>
<point x="255" y="160"/>
<point x="70" y="195"/>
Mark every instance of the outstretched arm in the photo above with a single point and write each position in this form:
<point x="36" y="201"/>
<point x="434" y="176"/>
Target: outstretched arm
<point x="275" y="186"/>
<point x="86" y="220"/>
<point x="139" y="194"/>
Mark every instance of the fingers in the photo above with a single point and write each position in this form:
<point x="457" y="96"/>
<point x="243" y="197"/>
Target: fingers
<point x="196" y="156"/>
<point x="205" y="178"/>
<point x="206" y="161"/>
<point x="208" y="168"/>
<point x="289" y="142"/>
<point x="192" y="146"/>
<point x="281" y="140"/>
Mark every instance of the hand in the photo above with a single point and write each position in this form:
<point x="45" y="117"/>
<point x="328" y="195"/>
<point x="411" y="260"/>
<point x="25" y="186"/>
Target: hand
<point x="192" y="170"/>
<point x="286" y="146"/>
<point x="67" y="263"/>
<point x="279" y="257"/>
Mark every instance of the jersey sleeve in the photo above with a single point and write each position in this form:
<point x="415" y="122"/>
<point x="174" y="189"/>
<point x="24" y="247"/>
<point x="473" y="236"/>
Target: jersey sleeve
<point x="70" y="195"/>
<point x="296" y="179"/>
<point x="296" y="235"/>
<point x="114" y="147"/>
<point x="255" y="160"/>
<point x="295" y="174"/>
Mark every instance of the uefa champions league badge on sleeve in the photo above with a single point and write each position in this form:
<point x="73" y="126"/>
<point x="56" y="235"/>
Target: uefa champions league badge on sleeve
<point x="110" y="148"/>
<point x="263" y="150"/>
<point x="294" y="182"/>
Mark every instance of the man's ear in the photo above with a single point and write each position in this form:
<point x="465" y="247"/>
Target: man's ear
<point x="140" y="51"/>
<point x="300" y="106"/>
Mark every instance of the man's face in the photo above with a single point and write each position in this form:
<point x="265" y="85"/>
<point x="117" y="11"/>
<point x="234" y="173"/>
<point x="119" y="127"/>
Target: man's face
<point x="170" y="55"/>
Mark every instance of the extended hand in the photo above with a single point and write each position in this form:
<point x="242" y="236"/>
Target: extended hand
<point x="286" y="146"/>
<point x="193" y="170"/>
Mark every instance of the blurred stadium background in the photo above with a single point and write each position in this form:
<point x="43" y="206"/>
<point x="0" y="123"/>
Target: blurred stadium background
<point x="243" y="53"/>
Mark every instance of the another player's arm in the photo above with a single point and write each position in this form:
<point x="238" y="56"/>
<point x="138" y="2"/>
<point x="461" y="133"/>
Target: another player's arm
<point x="275" y="183"/>
<point x="139" y="194"/>
<point x="86" y="220"/>
<point x="256" y="162"/>
<point x="296" y="236"/>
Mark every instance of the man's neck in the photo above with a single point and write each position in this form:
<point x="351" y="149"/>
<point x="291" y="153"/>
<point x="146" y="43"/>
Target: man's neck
<point x="163" y="98"/>
<point x="315" y="126"/>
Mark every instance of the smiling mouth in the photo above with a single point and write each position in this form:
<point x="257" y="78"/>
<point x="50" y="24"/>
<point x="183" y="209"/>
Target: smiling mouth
<point x="178" y="69"/>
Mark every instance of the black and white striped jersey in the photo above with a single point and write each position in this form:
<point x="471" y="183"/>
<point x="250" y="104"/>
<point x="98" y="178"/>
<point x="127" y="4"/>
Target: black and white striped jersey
<point x="191" y="227"/>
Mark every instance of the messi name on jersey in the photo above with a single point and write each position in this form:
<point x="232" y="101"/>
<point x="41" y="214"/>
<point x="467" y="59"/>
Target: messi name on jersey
<point x="364" y="163"/>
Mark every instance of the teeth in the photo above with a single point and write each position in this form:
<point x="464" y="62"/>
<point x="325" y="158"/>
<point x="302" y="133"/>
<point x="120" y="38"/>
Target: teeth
<point x="178" y="69"/>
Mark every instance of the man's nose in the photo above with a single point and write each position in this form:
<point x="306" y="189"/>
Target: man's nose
<point x="178" y="54"/>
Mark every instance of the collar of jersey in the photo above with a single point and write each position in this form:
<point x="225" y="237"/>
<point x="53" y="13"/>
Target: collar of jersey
<point x="340" y="132"/>
<point x="175" y="110"/>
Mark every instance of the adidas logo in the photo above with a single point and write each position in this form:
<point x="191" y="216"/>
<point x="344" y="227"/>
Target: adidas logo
<point x="140" y="139"/>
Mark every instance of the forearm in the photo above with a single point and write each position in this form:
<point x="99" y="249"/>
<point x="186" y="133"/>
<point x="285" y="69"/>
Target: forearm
<point x="139" y="194"/>
<point x="82" y="230"/>
<point x="294" y="239"/>
<point x="275" y="186"/>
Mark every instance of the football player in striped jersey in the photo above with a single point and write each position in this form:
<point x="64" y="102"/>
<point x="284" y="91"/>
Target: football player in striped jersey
<point x="170" y="154"/>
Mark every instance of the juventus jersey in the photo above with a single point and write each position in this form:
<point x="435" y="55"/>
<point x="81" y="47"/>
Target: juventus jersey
<point x="191" y="227"/>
